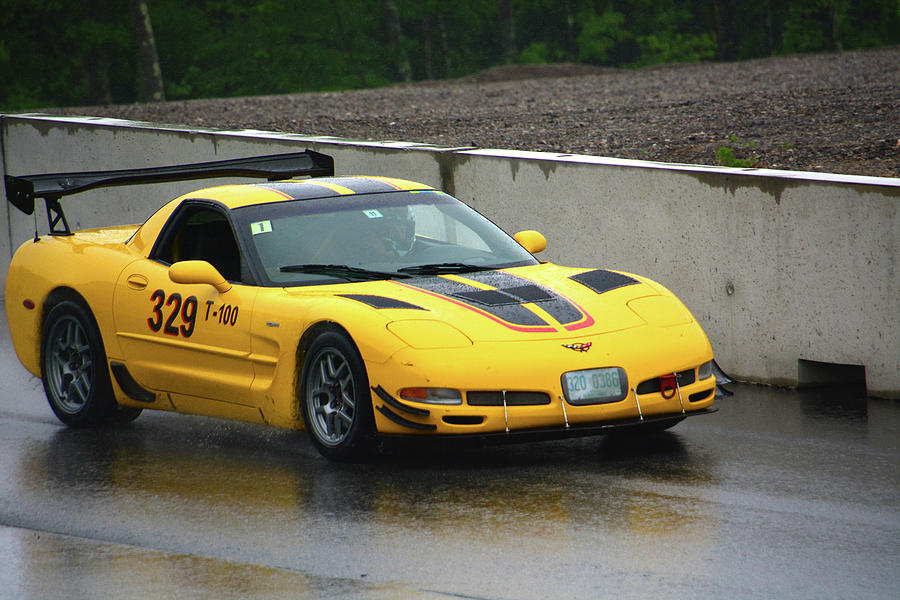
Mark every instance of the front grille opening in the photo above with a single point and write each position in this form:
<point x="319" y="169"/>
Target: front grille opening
<point x="463" y="420"/>
<point x="653" y="386"/>
<point x="491" y="398"/>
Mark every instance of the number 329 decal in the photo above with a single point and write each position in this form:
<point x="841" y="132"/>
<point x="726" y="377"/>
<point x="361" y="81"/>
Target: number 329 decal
<point x="186" y="309"/>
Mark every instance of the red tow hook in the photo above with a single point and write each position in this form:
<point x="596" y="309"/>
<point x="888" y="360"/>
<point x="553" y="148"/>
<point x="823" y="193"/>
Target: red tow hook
<point x="668" y="385"/>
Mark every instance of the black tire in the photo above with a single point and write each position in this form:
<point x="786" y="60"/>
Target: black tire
<point x="335" y="399"/>
<point x="74" y="370"/>
<point x="124" y="414"/>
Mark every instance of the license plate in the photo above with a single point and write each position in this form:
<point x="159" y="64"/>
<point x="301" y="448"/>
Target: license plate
<point x="595" y="386"/>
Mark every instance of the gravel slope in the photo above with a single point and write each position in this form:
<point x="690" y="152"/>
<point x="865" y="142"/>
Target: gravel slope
<point x="823" y="112"/>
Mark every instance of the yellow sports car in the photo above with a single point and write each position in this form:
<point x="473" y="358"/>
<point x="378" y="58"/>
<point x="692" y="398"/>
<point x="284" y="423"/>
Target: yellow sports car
<point x="358" y="308"/>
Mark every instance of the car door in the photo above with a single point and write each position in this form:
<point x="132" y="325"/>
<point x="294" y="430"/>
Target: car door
<point x="191" y="340"/>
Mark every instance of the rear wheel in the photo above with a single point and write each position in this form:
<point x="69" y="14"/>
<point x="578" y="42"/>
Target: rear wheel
<point x="74" y="372"/>
<point x="335" y="398"/>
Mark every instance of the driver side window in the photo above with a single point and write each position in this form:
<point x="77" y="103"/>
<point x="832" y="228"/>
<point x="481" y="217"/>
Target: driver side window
<point x="202" y="233"/>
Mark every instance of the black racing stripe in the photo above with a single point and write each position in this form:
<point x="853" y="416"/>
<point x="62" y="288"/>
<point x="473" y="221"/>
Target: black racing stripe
<point x="439" y="285"/>
<point x="364" y="185"/>
<point x="601" y="280"/>
<point x="527" y="291"/>
<point x="497" y="279"/>
<point x="488" y="298"/>
<point x="300" y="191"/>
<point x="513" y="313"/>
<point x="381" y="301"/>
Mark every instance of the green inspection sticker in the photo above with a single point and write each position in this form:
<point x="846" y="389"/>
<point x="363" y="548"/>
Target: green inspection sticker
<point x="260" y="227"/>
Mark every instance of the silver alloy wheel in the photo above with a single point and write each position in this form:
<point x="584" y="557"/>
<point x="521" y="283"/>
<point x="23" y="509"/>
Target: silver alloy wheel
<point x="331" y="397"/>
<point x="69" y="364"/>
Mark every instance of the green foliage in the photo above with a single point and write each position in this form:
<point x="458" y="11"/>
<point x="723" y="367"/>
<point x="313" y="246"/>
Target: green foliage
<point x="241" y="49"/>
<point x="60" y="52"/>
<point x="600" y="35"/>
<point x="726" y="156"/>
<point x="535" y="53"/>
<point x="676" y="47"/>
<point x="798" y="35"/>
<point x="666" y="31"/>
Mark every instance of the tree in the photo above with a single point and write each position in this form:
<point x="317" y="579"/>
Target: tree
<point x="726" y="34"/>
<point x="149" y="74"/>
<point x="395" y="39"/>
<point x="507" y="32"/>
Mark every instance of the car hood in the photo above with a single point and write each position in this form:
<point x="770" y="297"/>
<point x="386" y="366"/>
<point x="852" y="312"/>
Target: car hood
<point x="543" y="301"/>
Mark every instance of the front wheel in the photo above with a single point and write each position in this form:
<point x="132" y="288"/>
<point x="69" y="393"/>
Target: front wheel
<point x="73" y="369"/>
<point x="335" y="398"/>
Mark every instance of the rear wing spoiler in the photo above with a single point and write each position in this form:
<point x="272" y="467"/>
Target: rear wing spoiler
<point x="21" y="191"/>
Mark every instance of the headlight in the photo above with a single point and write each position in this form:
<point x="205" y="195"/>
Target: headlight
<point x="661" y="311"/>
<point x="432" y="395"/>
<point x="427" y="334"/>
<point x="705" y="370"/>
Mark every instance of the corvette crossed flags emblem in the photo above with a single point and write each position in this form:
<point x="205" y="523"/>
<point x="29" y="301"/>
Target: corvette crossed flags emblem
<point x="584" y="347"/>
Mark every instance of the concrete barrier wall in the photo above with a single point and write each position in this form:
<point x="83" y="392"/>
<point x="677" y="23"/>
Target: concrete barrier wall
<point x="776" y="265"/>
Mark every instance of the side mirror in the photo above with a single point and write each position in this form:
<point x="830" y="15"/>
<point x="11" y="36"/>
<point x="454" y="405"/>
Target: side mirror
<point x="198" y="271"/>
<point x="533" y="241"/>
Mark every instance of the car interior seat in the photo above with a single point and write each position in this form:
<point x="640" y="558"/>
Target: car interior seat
<point x="213" y="242"/>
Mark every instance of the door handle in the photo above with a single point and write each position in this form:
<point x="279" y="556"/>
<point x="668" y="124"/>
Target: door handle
<point x="137" y="282"/>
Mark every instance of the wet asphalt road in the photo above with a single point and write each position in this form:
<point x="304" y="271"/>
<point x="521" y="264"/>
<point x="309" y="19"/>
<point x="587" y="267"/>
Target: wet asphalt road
<point x="779" y="494"/>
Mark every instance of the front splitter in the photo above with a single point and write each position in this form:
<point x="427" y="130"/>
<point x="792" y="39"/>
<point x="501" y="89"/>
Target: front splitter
<point x="654" y="423"/>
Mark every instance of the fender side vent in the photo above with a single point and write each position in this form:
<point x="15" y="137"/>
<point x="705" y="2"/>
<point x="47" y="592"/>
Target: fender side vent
<point x="131" y="387"/>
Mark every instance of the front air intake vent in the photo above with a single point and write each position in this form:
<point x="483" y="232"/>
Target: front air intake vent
<point x="489" y="398"/>
<point x="463" y="420"/>
<point x="653" y="386"/>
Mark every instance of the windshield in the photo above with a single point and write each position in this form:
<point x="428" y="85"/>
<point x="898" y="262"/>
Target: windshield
<point x="373" y="236"/>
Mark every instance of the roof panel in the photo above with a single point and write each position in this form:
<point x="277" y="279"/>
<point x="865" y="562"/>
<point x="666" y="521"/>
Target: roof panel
<point x="237" y="196"/>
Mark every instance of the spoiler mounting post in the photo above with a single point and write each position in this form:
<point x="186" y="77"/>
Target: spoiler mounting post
<point x="55" y="215"/>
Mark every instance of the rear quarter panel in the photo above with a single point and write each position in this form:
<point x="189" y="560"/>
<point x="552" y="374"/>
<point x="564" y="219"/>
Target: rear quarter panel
<point x="86" y="263"/>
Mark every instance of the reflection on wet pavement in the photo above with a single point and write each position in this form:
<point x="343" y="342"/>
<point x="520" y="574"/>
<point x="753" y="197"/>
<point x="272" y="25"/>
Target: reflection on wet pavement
<point x="779" y="494"/>
<point x="78" y="568"/>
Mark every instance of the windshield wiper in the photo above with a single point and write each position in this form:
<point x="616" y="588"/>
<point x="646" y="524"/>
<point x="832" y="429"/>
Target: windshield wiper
<point x="345" y="271"/>
<point x="447" y="267"/>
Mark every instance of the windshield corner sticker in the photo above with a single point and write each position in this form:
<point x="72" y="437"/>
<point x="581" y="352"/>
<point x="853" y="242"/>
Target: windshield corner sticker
<point x="373" y="213"/>
<point x="259" y="227"/>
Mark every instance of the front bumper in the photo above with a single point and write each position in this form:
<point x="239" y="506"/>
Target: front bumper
<point x="535" y="368"/>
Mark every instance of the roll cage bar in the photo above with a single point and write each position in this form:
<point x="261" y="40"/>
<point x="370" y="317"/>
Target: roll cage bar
<point x="22" y="190"/>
